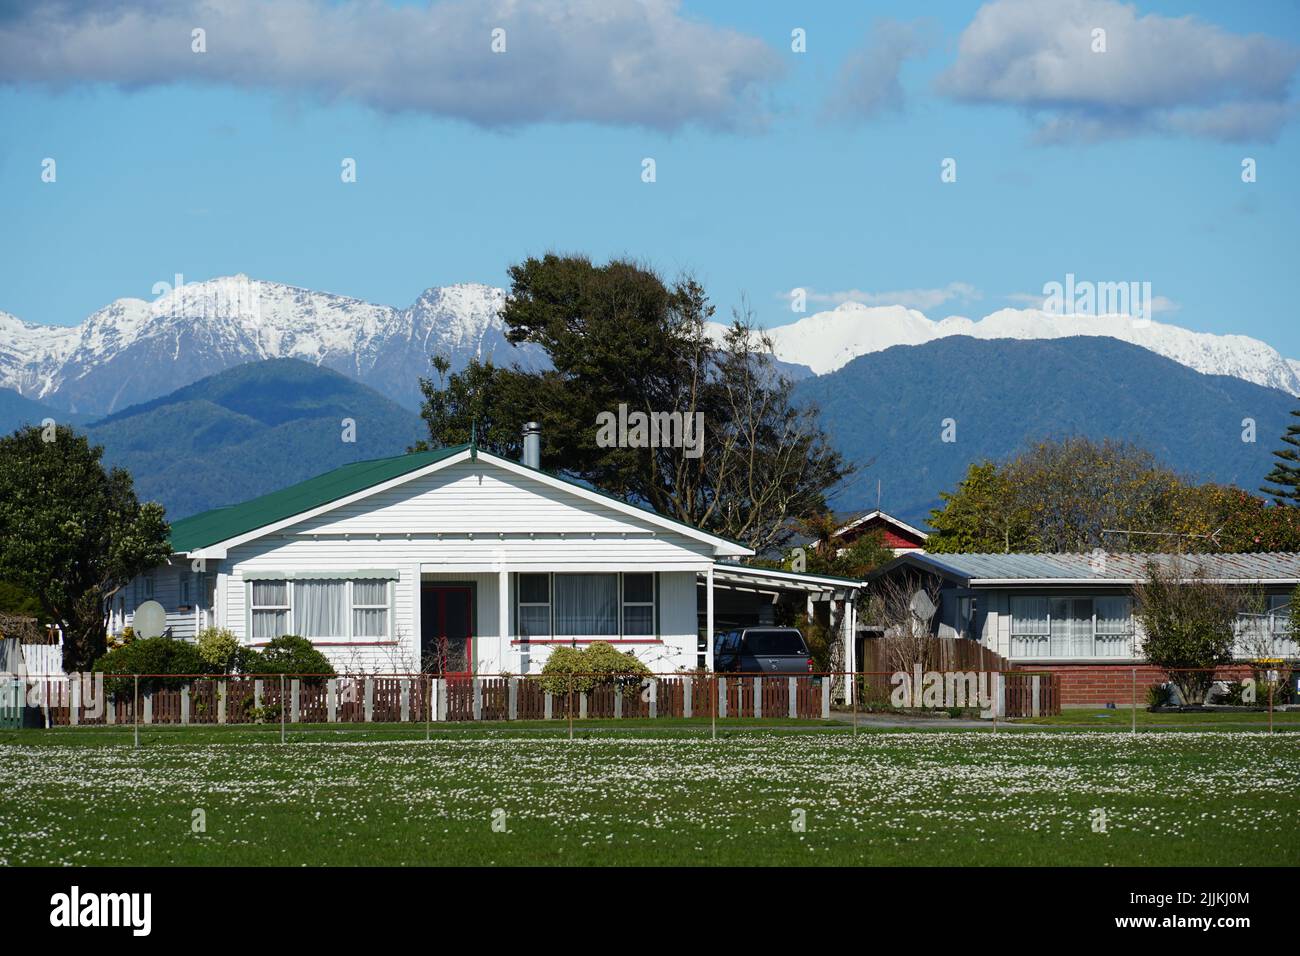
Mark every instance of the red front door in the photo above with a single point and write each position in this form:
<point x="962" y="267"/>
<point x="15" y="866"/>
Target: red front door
<point x="447" y="628"/>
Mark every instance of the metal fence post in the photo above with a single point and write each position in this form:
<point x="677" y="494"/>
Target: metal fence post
<point x="428" y="711"/>
<point x="1134" y="708"/>
<point x="688" y="694"/>
<point x="1270" y="706"/>
<point x="282" y="708"/>
<point x="135" y="710"/>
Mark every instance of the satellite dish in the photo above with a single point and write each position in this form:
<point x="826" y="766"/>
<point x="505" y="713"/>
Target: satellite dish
<point x="150" y="620"/>
<point x="922" y="606"/>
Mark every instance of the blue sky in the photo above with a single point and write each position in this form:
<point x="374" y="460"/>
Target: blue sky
<point x="775" y="169"/>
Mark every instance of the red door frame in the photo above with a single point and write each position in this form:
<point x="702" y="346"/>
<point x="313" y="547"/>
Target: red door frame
<point x="468" y="590"/>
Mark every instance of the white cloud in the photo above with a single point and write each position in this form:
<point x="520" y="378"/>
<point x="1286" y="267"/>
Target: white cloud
<point x="921" y="299"/>
<point x="868" y="83"/>
<point x="619" y="62"/>
<point x="1158" y="74"/>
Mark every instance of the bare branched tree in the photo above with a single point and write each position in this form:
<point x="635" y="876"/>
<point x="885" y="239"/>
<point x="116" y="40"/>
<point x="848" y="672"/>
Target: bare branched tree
<point x="898" y="606"/>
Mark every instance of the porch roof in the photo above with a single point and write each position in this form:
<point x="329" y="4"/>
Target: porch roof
<point x="778" y="580"/>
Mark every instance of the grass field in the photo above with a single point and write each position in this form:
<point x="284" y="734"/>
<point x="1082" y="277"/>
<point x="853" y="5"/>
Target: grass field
<point x="646" y="795"/>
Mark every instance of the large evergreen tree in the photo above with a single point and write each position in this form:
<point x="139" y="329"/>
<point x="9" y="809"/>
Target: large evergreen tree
<point x="72" y="533"/>
<point x="1283" y="482"/>
<point x="618" y="335"/>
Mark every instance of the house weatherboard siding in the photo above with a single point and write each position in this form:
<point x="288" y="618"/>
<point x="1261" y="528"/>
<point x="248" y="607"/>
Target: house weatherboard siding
<point x="461" y="519"/>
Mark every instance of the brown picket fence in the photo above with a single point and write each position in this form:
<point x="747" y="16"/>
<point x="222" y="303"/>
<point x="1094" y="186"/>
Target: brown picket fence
<point x="177" y="700"/>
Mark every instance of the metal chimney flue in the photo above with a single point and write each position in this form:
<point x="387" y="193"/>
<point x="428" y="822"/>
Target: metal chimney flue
<point x="532" y="445"/>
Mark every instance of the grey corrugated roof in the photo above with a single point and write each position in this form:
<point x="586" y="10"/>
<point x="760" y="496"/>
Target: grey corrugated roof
<point x="1270" y="566"/>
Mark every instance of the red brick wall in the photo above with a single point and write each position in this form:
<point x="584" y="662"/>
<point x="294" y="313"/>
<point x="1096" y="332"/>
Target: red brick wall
<point x="1095" y="685"/>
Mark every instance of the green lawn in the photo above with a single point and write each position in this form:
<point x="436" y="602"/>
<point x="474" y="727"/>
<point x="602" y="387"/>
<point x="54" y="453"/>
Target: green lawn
<point x="648" y="795"/>
<point x="1122" y="719"/>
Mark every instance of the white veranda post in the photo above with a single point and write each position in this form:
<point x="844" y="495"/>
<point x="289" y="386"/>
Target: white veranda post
<point x="708" y="618"/>
<point x="503" y="617"/>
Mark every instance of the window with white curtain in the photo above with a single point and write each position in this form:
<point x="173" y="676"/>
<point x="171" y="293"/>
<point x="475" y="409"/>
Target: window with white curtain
<point x="370" y="608"/>
<point x="534" y="606"/>
<point x="270" y="609"/>
<point x="1114" y="627"/>
<point x="1029" y="627"/>
<point x="586" y="605"/>
<point x="1071" y="626"/>
<point x="639" y="605"/>
<point x="320" y="609"/>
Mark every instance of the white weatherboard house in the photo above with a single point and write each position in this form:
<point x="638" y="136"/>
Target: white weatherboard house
<point x="385" y="564"/>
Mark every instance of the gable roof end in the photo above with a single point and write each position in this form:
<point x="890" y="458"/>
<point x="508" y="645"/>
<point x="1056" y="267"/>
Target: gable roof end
<point x="224" y="527"/>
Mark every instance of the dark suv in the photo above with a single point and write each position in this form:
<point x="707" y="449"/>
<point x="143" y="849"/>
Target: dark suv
<point x="762" y="650"/>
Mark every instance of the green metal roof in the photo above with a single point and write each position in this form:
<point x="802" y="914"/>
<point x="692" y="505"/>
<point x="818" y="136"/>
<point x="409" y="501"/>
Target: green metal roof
<point x="221" y="524"/>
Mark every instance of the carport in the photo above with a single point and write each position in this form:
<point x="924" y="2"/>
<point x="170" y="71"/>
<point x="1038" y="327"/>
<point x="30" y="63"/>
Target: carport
<point x="733" y="595"/>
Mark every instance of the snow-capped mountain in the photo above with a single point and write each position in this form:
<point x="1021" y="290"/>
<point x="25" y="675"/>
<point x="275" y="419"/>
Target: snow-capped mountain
<point x="829" y="340"/>
<point x="132" y="351"/>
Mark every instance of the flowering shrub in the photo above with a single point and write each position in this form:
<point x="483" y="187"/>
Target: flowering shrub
<point x="600" y="664"/>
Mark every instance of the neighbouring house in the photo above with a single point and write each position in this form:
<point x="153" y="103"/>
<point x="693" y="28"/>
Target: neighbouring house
<point x="898" y="535"/>
<point x="462" y="561"/>
<point x="1073" y="613"/>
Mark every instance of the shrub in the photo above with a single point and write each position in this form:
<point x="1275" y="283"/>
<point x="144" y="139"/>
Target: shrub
<point x="289" y="654"/>
<point x="601" y="664"/>
<point x="1157" y="695"/>
<point x="1190" y="623"/>
<point x="152" y="656"/>
<point x="219" y="648"/>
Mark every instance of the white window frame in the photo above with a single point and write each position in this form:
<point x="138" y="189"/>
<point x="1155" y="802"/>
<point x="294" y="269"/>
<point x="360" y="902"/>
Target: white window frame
<point x="549" y="604"/>
<point x="349" y="600"/>
<point x="353" y="607"/>
<point x="1044" y="637"/>
<point x="254" y="608"/>
<point x="622" y="634"/>
<point x="624" y="603"/>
